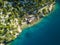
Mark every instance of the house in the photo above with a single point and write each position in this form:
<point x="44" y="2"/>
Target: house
<point x="30" y="19"/>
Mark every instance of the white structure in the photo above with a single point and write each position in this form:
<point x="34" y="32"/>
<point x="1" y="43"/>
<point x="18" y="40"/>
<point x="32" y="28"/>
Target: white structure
<point x="1" y="44"/>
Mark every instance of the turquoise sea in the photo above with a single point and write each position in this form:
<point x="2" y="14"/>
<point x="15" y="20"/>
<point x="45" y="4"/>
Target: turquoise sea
<point x="46" y="32"/>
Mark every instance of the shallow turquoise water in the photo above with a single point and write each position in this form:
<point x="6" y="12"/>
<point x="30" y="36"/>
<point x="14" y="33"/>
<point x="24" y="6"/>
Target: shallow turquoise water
<point x="46" y="32"/>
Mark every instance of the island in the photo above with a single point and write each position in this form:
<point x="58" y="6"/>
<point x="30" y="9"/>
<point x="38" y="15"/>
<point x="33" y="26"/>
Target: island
<point x="15" y="15"/>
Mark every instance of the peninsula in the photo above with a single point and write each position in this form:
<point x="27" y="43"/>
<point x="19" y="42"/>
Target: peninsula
<point x="16" y="15"/>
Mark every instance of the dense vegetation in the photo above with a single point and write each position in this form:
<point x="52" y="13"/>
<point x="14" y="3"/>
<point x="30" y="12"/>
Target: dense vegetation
<point x="12" y="9"/>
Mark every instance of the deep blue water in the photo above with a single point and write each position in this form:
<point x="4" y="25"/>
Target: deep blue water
<point x="46" y="32"/>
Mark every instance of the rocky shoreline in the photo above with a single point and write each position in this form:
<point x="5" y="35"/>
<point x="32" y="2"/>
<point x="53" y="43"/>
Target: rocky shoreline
<point x="13" y="19"/>
<point x="39" y="17"/>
